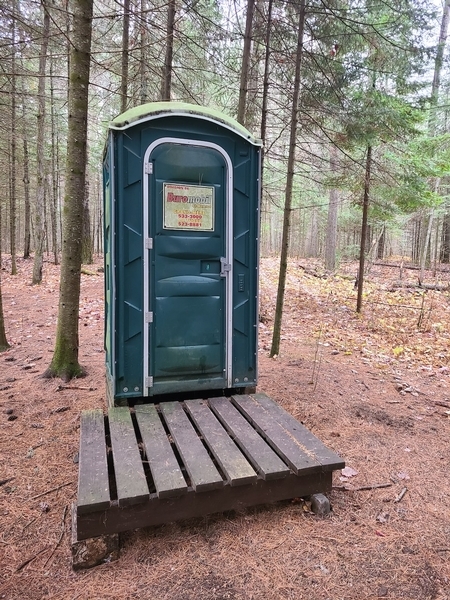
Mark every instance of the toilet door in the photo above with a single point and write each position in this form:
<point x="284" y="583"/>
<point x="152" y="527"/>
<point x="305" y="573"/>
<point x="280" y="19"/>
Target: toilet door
<point x="188" y="269"/>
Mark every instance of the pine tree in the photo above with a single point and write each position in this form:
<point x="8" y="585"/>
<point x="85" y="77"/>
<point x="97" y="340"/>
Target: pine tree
<point x="65" y="358"/>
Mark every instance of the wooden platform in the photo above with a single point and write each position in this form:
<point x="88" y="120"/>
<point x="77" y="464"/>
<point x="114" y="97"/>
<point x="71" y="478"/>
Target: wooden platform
<point x="163" y="462"/>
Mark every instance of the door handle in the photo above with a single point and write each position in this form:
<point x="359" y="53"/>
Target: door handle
<point x="225" y="267"/>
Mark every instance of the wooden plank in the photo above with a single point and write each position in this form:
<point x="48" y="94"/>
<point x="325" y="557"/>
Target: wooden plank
<point x="201" y="469"/>
<point x="158" y="511"/>
<point x="268" y="464"/>
<point x="283" y="443"/>
<point x="130" y="477"/>
<point x="166" y="472"/>
<point x="329" y="460"/>
<point x="93" y="482"/>
<point x="234" y="465"/>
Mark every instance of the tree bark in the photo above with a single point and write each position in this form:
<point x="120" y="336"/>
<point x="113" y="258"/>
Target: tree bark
<point x="265" y="98"/>
<point x="55" y="175"/>
<point x="438" y="62"/>
<point x="39" y="224"/>
<point x="445" y="240"/>
<point x="245" y="68"/>
<point x="265" y="202"/>
<point x="275" y="349"/>
<point x="125" y="56"/>
<point x="143" y="57"/>
<point x="362" y="251"/>
<point x="416" y="235"/>
<point x="26" y="185"/>
<point x="65" y="358"/>
<point x="381" y="243"/>
<point x="426" y="245"/>
<point x="3" y="340"/>
<point x="166" y="83"/>
<point x="86" y="252"/>
<point x="332" y="217"/>
<point x="12" y="198"/>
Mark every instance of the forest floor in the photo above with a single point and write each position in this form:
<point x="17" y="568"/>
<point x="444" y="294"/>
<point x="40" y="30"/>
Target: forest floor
<point x="374" y="387"/>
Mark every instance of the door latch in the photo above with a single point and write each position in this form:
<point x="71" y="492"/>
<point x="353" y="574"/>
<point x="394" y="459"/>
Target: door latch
<point x="225" y="267"/>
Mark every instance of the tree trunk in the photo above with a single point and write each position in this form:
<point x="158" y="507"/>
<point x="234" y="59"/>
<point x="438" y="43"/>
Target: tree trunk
<point x="125" y="56"/>
<point x="445" y="240"/>
<point x="426" y="246"/>
<point x="166" y="82"/>
<point x="26" y="185"/>
<point x="360" y="282"/>
<point x="46" y="195"/>
<point x="86" y="252"/>
<point x="143" y="57"/>
<point x="438" y="62"/>
<point x="65" y="358"/>
<point x="13" y="188"/>
<point x="12" y="198"/>
<point x="265" y="202"/>
<point x="381" y="243"/>
<point x="265" y="98"/>
<point x="39" y="224"/>
<point x="332" y="217"/>
<point x="54" y="179"/>
<point x="3" y="341"/>
<point x="369" y="236"/>
<point x="275" y="349"/>
<point x="416" y="235"/>
<point x="245" y="67"/>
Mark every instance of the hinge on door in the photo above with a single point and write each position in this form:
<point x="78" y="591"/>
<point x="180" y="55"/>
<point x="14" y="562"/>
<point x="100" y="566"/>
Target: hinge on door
<point x="148" y="168"/>
<point x="149" y="317"/>
<point x="225" y="267"/>
<point x="149" y="243"/>
<point x="149" y="382"/>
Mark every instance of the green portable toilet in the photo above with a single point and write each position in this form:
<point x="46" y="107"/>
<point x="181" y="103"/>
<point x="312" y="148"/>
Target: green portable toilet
<point x="181" y="193"/>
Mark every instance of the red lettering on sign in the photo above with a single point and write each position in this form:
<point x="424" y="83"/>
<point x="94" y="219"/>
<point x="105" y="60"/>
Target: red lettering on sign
<point x="171" y="197"/>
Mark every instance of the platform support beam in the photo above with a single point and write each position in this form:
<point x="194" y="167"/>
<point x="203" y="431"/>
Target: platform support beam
<point x="92" y="551"/>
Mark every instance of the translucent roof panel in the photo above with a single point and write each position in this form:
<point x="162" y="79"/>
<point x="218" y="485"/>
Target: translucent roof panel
<point x="156" y="110"/>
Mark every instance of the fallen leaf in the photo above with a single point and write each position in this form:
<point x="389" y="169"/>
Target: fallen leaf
<point x="383" y="517"/>
<point x="349" y="472"/>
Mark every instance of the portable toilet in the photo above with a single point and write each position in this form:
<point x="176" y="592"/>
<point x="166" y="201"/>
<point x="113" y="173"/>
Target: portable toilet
<point x="181" y="193"/>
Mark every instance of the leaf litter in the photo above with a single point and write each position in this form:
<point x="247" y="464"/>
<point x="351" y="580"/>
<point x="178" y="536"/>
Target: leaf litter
<point x="336" y="372"/>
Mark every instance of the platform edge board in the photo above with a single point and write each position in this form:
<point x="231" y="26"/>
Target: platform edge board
<point x="158" y="511"/>
<point x="260" y="455"/>
<point x="93" y="482"/>
<point x="327" y="458"/>
<point x="201" y="469"/>
<point x="167" y="476"/>
<point x="276" y="436"/>
<point x="235" y="466"/>
<point x="131" y="482"/>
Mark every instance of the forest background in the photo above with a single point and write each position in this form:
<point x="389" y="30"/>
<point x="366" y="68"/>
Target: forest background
<point x="371" y="109"/>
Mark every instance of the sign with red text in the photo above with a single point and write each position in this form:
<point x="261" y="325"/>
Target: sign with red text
<point x="189" y="207"/>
